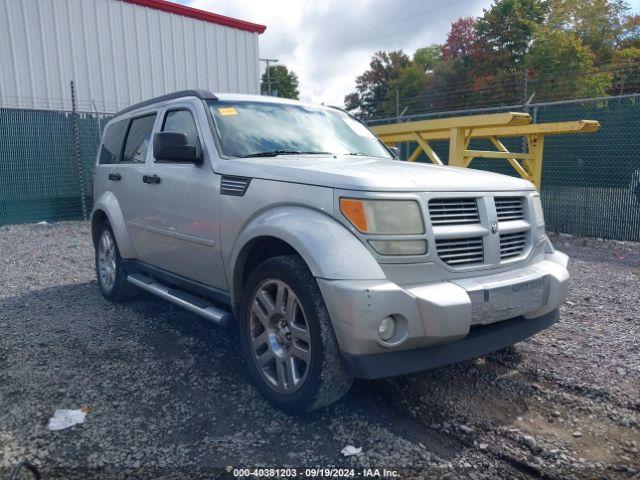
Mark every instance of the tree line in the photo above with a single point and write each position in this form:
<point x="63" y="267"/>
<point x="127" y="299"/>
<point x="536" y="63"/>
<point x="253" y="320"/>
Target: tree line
<point x="551" y="49"/>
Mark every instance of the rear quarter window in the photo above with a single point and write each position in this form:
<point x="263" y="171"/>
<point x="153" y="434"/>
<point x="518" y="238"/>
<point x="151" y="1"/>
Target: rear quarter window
<point x="112" y="142"/>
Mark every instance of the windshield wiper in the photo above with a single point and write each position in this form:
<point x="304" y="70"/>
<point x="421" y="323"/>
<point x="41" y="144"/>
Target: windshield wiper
<point x="275" y="153"/>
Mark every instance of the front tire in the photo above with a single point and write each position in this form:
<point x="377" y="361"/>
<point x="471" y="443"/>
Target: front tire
<point x="290" y="348"/>
<point x="110" y="269"/>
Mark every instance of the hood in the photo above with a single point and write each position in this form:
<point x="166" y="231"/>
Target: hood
<point x="371" y="174"/>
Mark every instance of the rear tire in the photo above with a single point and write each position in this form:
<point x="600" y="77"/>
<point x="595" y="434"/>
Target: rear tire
<point x="289" y="345"/>
<point x="110" y="268"/>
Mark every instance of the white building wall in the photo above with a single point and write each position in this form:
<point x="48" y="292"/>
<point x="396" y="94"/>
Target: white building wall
<point x="117" y="53"/>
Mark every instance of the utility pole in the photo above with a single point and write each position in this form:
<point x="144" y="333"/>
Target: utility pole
<point x="525" y="104"/>
<point x="397" y="105"/>
<point x="268" y="62"/>
<point x="75" y="131"/>
<point x="525" y="90"/>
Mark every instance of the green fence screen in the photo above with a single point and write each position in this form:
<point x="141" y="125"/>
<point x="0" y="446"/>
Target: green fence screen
<point x="41" y="177"/>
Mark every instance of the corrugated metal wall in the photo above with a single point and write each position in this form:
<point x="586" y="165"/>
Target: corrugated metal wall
<point x="117" y="53"/>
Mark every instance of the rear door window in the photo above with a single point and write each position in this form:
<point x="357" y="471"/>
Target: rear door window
<point x="112" y="142"/>
<point x="138" y="139"/>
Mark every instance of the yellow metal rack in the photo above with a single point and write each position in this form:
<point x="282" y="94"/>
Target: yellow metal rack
<point x="460" y="130"/>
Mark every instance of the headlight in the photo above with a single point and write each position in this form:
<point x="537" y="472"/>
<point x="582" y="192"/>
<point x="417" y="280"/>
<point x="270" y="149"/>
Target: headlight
<point x="381" y="217"/>
<point x="537" y="208"/>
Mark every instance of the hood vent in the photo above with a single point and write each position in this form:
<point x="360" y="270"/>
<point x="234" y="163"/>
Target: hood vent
<point x="235" y="186"/>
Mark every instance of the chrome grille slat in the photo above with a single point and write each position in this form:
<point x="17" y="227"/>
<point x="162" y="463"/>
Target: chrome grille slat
<point x="453" y="211"/>
<point x="509" y="208"/>
<point x="460" y="252"/>
<point x="512" y="244"/>
<point x="505" y="246"/>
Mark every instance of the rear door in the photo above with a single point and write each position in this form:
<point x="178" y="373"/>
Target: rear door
<point x="182" y="214"/>
<point x="121" y="167"/>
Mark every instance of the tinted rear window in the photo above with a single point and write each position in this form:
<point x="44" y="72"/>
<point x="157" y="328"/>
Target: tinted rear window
<point x="112" y="142"/>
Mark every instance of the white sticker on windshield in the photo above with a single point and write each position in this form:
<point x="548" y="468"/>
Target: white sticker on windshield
<point x="358" y="128"/>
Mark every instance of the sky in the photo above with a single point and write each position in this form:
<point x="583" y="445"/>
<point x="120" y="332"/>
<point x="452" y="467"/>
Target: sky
<point x="328" y="43"/>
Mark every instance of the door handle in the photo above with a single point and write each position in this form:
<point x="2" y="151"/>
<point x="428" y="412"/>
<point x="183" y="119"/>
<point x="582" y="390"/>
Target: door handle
<point x="151" y="179"/>
<point x="116" y="177"/>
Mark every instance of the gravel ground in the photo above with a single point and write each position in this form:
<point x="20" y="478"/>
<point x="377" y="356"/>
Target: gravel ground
<point x="169" y="397"/>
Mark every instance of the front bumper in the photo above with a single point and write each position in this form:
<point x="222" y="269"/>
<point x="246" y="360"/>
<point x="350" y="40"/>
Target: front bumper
<point x="441" y="313"/>
<point x="480" y="341"/>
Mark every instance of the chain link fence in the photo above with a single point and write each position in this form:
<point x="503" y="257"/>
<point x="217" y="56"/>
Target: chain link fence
<point x="590" y="182"/>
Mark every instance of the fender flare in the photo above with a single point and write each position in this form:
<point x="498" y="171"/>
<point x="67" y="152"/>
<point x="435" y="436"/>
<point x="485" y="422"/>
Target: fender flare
<point x="108" y="204"/>
<point x="329" y="249"/>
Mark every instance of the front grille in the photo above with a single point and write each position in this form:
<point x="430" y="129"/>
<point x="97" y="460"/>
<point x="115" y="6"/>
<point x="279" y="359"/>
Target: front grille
<point x="453" y="211"/>
<point x="509" y="208"/>
<point x="512" y="244"/>
<point x="460" y="251"/>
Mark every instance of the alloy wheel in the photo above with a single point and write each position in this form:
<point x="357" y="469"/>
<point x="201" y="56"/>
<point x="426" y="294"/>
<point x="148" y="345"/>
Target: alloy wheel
<point x="279" y="336"/>
<point x="107" y="260"/>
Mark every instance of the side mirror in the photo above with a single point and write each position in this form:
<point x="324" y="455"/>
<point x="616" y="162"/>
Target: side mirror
<point x="174" y="147"/>
<point x="395" y="151"/>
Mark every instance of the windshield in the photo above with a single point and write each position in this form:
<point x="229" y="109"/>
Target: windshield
<point x="256" y="129"/>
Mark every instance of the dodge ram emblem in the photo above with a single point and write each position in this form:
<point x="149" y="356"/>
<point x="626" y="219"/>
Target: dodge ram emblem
<point x="494" y="227"/>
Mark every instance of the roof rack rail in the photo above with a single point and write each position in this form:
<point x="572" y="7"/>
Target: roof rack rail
<point x="202" y="94"/>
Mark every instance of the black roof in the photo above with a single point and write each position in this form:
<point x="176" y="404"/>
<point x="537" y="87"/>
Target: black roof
<point x="202" y="94"/>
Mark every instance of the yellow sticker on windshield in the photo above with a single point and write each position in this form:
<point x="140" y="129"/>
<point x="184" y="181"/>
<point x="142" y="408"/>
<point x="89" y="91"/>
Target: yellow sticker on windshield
<point x="224" y="111"/>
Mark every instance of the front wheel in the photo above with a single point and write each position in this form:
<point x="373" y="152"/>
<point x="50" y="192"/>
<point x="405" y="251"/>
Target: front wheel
<point x="291" y="350"/>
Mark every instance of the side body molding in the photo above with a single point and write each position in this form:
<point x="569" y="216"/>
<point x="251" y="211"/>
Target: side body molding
<point x="108" y="203"/>
<point x="328" y="248"/>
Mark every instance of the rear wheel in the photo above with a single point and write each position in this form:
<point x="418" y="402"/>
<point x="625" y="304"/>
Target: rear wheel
<point x="291" y="350"/>
<point x="110" y="270"/>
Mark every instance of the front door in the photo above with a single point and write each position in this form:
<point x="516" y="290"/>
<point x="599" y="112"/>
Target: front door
<point x="182" y="210"/>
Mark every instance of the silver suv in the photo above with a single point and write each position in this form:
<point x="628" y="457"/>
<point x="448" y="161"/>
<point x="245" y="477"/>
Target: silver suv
<point x="334" y="259"/>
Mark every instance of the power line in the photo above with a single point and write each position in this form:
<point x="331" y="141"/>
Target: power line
<point x="503" y="90"/>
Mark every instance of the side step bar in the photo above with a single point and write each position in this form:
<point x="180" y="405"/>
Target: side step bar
<point x="183" y="299"/>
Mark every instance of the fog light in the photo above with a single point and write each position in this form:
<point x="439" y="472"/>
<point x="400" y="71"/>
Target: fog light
<point x="387" y="328"/>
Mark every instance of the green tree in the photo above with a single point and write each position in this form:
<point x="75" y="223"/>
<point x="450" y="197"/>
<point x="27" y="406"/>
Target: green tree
<point x="409" y="85"/>
<point x="505" y="32"/>
<point x="598" y="23"/>
<point x="625" y="70"/>
<point x="284" y="83"/>
<point x="428" y="57"/>
<point x="562" y="67"/>
<point x="373" y="88"/>
<point x="630" y="32"/>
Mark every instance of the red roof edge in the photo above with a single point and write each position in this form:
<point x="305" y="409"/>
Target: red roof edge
<point x="200" y="15"/>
